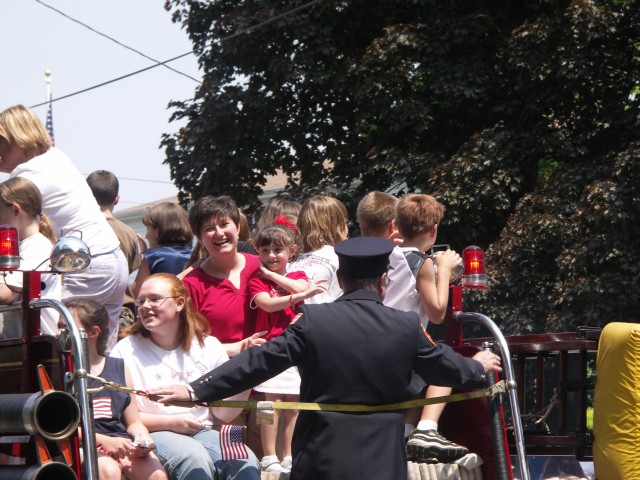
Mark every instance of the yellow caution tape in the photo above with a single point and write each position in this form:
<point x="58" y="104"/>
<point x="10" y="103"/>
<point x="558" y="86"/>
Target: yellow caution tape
<point x="500" y="387"/>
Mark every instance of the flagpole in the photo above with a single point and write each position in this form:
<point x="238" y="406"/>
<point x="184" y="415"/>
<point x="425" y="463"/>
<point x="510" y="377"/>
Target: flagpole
<point x="47" y="79"/>
<point x="49" y="124"/>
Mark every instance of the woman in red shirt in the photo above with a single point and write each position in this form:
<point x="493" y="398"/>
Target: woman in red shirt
<point x="219" y="286"/>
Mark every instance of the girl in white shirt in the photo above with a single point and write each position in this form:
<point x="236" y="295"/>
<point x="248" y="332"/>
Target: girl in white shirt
<point x="21" y="207"/>
<point x="170" y="344"/>
<point x="322" y="223"/>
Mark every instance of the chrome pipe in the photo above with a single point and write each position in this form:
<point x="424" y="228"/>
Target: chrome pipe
<point x="46" y="471"/>
<point x="507" y="369"/>
<point x="82" y="366"/>
<point x="53" y="415"/>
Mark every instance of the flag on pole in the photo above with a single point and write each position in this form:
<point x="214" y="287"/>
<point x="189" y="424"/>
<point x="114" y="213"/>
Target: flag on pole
<point x="49" y="123"/>
<point x="231" y="442"/>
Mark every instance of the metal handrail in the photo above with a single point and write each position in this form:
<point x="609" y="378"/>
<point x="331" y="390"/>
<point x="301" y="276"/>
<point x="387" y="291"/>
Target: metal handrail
<point x="82" y="367"/>
<point x="507" y="369"/>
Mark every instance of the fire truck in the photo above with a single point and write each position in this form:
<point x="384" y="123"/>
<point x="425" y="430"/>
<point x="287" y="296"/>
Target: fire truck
<point x="541" y="420"/>
<point x="540" y="411"/>
<point x="44" y="394"/>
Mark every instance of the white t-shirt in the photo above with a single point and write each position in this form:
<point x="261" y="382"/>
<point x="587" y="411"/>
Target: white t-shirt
<point x="33" y="251"/>
<point x="152" y="366"/>
<point x="319" y="265"/>
<point x="401" y="292"/>
<point x="67" y="199"/>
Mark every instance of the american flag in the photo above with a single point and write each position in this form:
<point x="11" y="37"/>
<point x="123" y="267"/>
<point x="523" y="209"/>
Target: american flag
<point x="102" y="408"/>
<point x="231" y="442"/>
<point x="50" y="124"/>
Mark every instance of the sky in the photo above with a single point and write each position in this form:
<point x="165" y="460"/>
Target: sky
<point x="116" y="127"/>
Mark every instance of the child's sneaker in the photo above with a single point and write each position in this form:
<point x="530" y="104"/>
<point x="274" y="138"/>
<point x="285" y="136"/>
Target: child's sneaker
<point x="428" y="446"/>
<point x="271" y="464"/>
<point x="287" y="463"/>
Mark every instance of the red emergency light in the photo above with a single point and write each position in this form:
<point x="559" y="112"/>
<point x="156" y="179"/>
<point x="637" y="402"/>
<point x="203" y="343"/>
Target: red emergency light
<point x="474" y="276"/>
<point x="9" y="248"/>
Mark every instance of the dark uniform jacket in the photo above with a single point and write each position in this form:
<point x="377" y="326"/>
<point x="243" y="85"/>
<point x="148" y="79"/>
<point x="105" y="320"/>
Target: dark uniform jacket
<point x="352" y="351"/>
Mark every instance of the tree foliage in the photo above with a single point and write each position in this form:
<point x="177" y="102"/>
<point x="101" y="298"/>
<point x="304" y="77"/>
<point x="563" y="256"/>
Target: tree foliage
<point x="519" y="116"/>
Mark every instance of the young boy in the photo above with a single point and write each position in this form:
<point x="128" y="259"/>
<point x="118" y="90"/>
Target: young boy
<point x="376" y="216"/>
<point x="414" y="286"/>
<point x="105" y="186"/>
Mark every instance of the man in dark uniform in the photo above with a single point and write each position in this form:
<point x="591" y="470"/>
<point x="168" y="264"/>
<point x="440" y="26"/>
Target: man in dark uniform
<point x="352" y="351"/>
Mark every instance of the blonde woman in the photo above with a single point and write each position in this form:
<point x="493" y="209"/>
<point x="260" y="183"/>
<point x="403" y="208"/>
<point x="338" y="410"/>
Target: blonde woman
<point x="67" y="200"/>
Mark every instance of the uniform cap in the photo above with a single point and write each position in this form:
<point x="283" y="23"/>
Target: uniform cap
<point x="363" y="257"/>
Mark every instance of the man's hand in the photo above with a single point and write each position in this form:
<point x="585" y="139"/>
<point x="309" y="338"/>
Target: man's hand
<point x="490" y="361"/>
<point x="170" y="394"/>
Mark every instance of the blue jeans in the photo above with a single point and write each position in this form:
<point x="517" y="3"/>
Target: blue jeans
<point x="199" y="458"/>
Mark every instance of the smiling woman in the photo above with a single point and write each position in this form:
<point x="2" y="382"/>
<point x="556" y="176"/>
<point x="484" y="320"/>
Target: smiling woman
<point x="170" y="344"/>
<point x="219" y="287"/>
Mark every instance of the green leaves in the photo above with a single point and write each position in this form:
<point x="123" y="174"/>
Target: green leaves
<point x="519" y="116"/>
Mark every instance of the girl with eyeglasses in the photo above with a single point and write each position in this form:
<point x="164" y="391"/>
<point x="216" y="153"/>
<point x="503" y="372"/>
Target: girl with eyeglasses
<point x="170" y="343"/>
<point x="124" y="446"/>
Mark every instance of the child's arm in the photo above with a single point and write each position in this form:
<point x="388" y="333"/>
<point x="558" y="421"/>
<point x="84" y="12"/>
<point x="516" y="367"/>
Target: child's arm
<point x="434" y="293"/>
<point x="184" y="423"/>
<point x="118" y="447"/>
<point x="274" y="304"/>
<point x="143" y="273"/>
<point x="289" y="284"/>
<point x="7" y="295"/>
<point x="225" y="414"/>
<point x="133" y="423"/>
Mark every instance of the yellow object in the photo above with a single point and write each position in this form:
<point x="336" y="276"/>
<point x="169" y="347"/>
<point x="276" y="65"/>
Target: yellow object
<point x="616" y="419"/>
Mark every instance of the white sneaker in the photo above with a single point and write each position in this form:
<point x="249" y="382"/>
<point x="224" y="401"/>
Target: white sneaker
<point x="287" y="463"/>
<point x="271" y="464"/>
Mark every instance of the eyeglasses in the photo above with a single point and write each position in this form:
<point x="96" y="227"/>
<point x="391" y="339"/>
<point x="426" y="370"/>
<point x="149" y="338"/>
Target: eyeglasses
<point x="153" y="301"/>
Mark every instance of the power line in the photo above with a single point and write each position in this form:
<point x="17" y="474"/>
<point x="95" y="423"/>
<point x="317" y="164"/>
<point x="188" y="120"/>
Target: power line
<point x="139" y="179"/>
<point x="145" y="180"/>
<point x="110" y="81"/>
<point x="115" y="41"/>
<point x="272" y="19"/>
<point x="157" y="64"/>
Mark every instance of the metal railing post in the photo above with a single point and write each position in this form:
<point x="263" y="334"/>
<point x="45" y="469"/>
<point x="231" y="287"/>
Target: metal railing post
<point x="79" y="340"/>
<point x="507" y="369"/>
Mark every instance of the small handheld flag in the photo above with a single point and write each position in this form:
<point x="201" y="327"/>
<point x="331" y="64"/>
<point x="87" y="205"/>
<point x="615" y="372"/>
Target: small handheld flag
<point x="232" y="442"/>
